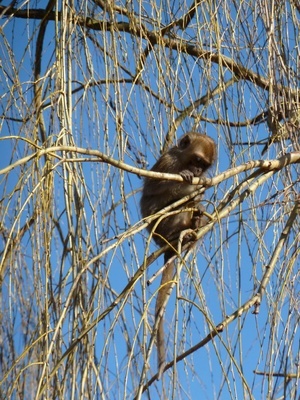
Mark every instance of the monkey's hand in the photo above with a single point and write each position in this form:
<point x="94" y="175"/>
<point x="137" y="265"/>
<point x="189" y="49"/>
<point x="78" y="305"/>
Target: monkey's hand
<point x="199" y="219"/>
<point x="187" y="175"/>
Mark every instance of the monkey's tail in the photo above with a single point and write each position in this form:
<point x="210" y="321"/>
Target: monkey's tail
<point x="161" y="302"/>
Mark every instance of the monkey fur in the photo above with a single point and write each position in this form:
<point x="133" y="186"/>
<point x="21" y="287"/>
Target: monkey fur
<point x="191" y="157"/>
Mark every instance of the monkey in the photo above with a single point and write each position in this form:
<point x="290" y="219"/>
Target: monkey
<point x="191" y="157"/>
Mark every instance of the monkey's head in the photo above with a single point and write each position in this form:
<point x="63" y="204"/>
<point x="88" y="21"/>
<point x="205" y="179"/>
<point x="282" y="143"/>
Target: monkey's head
<point x="196" y="152"/>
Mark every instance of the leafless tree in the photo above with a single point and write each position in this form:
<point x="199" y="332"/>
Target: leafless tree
<point x="91" y="94"/>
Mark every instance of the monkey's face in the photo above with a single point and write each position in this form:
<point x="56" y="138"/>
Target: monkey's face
<point x="198" y="165"/>
<point x="198" y="152"/>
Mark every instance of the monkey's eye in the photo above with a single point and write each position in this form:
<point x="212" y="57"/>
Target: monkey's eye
<point x="199" y="162"/>
<point x="184" y="142"/>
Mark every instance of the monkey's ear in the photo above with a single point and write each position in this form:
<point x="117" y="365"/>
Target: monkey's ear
<point x="184" y="142"/>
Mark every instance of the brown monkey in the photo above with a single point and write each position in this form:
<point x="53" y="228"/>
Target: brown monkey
<point x="193" y="155"/>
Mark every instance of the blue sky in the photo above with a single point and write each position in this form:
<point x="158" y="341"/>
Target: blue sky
<point x="230" y="260"/>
